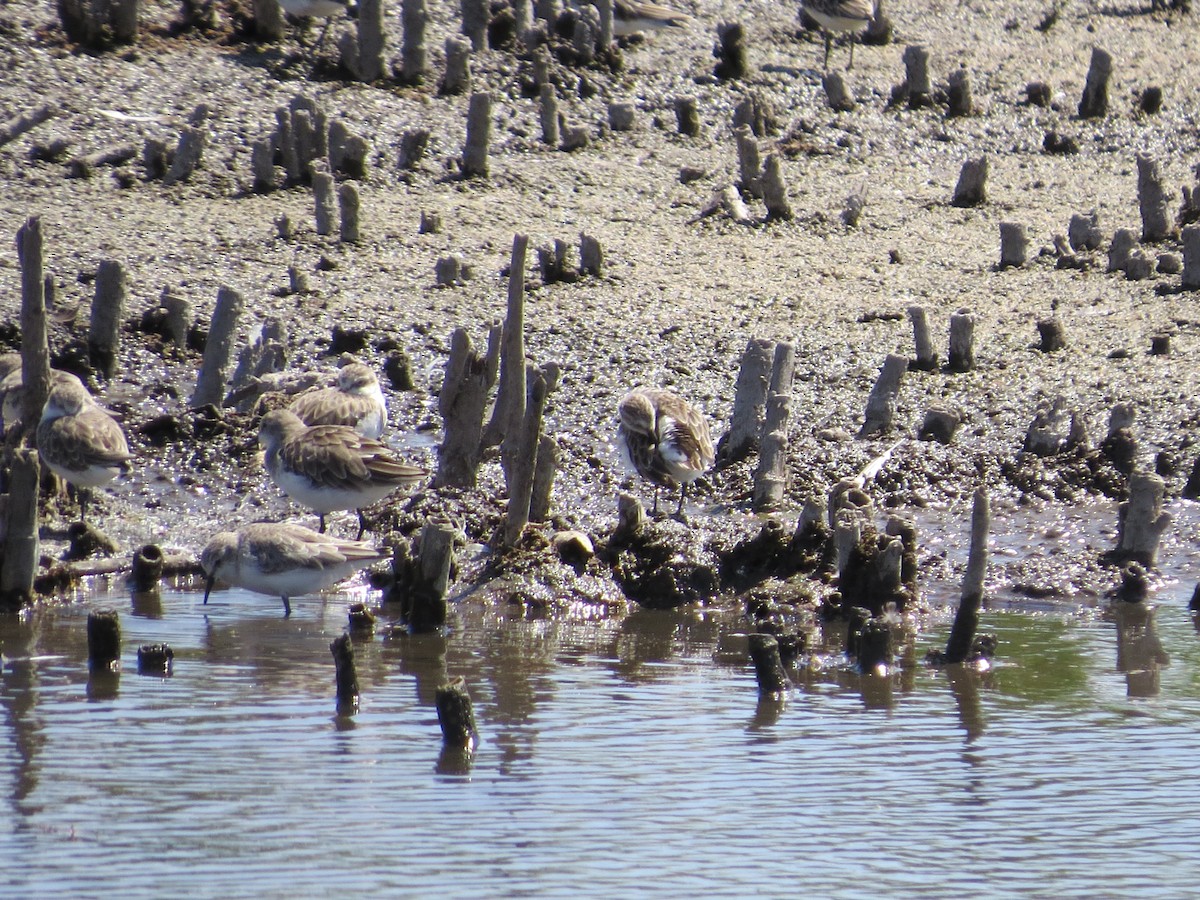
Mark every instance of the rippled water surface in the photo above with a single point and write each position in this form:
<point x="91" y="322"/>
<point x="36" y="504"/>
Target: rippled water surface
<point x="617" y="757"/>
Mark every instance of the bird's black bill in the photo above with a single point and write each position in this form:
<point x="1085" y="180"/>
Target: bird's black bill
<point x="208" y="586"/>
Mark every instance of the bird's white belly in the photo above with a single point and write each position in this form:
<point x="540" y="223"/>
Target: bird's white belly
<point x="834" y="22"/>
<point x="92" y="476"/>
<point x="324" y="500"/>
<point x="320" y="8"/>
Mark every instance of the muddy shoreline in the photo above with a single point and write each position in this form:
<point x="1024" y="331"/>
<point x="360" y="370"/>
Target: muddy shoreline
<point x="682" y="292"/>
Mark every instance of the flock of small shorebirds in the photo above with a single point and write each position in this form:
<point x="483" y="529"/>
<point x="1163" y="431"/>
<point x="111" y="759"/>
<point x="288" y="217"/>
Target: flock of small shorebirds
<point x="633" y="16"/>
<point x="324" y="450"/>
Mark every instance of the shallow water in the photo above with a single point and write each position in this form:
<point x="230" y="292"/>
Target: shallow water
<point x="626" y="756"/>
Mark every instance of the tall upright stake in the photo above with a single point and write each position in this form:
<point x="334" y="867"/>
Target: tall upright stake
<point x="35" y="348"/>
<point x="510" y="395"/>
<point x="966" y="621"/>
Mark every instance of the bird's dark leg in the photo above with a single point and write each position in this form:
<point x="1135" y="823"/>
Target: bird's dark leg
<point x="828" y="43"/>
<point x="850" y="65"/>
<point x="321" y="530"/>
<point x="82" y="495"/>
<point x="682" y="494"/>
<point x="324" y="31"/>
<point x="655" y="512"/>
<point x="362" y="525"/>
<point x="287" y="606"/>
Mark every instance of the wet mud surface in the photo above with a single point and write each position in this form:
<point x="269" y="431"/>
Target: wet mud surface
<point x="680" y="295"/>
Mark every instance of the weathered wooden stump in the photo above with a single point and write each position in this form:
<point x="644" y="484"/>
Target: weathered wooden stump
<point x="873" y="646"/>
<point x="519" y="474"/>
<point x="768" y="664"/>
<point x="730" y="51"/>
<point x="1141" y="521"/>
<point x="961" y="355"/>
<point x="687" y="118"/>
<point x="509" y="410"/>
<point x="971" y="189"/>
<point x="881" y="403"/>
<point x="622" y="116"/>
<point x="1084" y="232"/>
<point x="218" y="351"/>
<point x="1014" y="245"/>
<point x="1191" y="258"/>
<point x="1051" y="335"/>
<point x="414" y="19"/>
<point x="926" y="359"/>
<point x="461" y="403"/>
<point x="749" y="402"/>
<point x="1094" y="102"/>
<point x="456" y="715"/>
<point x="104" y="639"/>
<point x="155" y="659"/>
<point x="35" y="349"/>
<point x="324" y="202"/>
<point x="837" y="95"/>
<point x="958" y="94"/>
<point x="345" y="675"/>
<point x="348" y="208"/>
<point x="457" y="77"/>
<point x="147" y="568"/>
<point x="16" y="125"/>
<point x="100" y="24"/>
<point x="108" y="307"/>
<point x="372" y="41"/>
<point x="1153" y="201"/>
<point x="966" y="620"/>
<point x="19" y="564"/>
<point x="774" y="191"/>
<point x="413" y="144"/>
<point x="940" y="424"/>
<point x="770" y="477"/>
<point x="591" y="256"/>
<point x="749" y="162"/>
<point x="479" y="134"/>
<point x="548" y="114"/>
<point x="916" y="78"/>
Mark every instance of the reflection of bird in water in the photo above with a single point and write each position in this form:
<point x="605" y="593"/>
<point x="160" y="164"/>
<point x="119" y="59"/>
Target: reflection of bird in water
<point x="664" y="439"/>
<point x="79" y="441"/>
<point x="850" y="16"/>
<point x="631" y="16"/>
<point x="316" y="9"/>
<point x="330" y="467"/>
<point x="283" y="560"/>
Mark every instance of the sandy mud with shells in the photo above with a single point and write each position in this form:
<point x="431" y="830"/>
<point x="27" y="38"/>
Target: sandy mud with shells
<point x="682" y="291"/>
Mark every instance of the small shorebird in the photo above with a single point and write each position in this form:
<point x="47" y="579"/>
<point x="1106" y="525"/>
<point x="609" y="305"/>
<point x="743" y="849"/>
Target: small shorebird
<point x="282" y="559"/>
<point x="664" y="439"/>
<point x="839" y="15"/>
<point x="12" y="394"/>
<point x="356" y="401"/>
<point x="316" y="9"/>
<point x="330" y="467"/>
<point x="79" y="441"/>
<point x="631" y="16"/>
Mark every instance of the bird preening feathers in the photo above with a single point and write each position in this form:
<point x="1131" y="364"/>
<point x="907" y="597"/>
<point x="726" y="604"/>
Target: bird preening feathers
<point x="664" y="439"/>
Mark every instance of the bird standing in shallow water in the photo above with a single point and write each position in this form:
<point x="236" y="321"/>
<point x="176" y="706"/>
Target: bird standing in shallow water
<point x="79" y="441"/>
<point x="840" y="15"/>
<point x="664" y="439"/>
<point x="330" y="467"/>
<point x="283" y="560"/>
